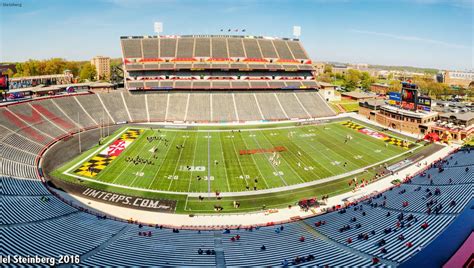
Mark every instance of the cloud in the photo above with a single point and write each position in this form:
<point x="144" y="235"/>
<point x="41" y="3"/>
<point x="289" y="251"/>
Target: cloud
<point x="411" y="38"/>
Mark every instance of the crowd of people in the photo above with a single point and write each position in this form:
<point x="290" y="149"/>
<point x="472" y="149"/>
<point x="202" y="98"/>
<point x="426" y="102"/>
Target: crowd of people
<point x="137" y="160"/>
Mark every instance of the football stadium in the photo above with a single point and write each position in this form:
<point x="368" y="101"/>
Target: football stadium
<point x="221" y="150"/>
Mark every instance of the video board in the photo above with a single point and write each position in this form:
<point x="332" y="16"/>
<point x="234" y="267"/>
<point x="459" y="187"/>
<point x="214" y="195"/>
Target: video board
<point x="409" y="96"/>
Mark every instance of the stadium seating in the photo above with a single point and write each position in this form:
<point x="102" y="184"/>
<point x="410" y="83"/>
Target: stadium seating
<point x="72" y="109"/>
<point x="37" y="223"/>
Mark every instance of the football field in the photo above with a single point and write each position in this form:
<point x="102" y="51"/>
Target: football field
<point x="224" y="160"/>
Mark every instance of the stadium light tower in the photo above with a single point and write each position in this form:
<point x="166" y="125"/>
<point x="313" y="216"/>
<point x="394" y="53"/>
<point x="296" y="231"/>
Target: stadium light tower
<point x="158" y="27"/>
<point x="297" y="31"/>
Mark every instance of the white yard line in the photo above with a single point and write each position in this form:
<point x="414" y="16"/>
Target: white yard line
<point x="274" y="168"/>
<point x="177" y="162"/>
<point x="315" y="150"/>
<point x="240" y="164"/>
<point x="223" y="161"/>
<point x="255" y="163"/>
<point x="288" y="164"/>
<point x="194" y="160"/>
<point x="141" y="170"/>
<point x="167" y="151"/>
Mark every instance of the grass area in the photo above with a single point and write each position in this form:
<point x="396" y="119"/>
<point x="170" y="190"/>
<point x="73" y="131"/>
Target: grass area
<point x="346" y="105"/>
<point x="350" y="107"/>
<point x="208" y="158"/>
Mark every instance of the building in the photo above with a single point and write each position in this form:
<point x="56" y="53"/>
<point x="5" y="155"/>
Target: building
<point x="379" y="88"/>
<point x="364" y="67"/>
<point x="368" y="108"/>
<point x="405" y="120"/>
<point x="459" y="78"/>
<point x="328" y="91"/>
<point x="319" y="68"/>
<point x="45" y="80"/>
<point x="355" y="95"/>
<point x="339" y="69"/>
<point x="102" y="67"/>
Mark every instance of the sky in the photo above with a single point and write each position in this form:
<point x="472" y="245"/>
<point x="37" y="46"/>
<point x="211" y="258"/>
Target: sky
<point x="422" y="33"/>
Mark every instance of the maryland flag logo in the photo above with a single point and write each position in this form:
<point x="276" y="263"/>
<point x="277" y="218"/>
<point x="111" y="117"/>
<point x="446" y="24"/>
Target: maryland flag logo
<point x="399" y="142"/>
<point x="352" y="125"/>
<point x="379" y="135"/>
<point x="100" y="161"/>
<point x="131" y="134"/>
<point x="95" y="165"/>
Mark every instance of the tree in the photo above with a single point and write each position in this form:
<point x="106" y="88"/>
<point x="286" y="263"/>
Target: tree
<point x="9" y="72"/>
<point x="325" y="77"/>
<point x="352" y="79"/>
<point x="87" y="72"/>
<point x="366" y="80"/>
<point x="327" y="69"/>
<point x="395" y="86"/>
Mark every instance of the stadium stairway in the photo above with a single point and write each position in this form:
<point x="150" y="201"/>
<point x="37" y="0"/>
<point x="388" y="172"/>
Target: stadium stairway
<point x="103" y="245"/>
<point x="220" y="257"/>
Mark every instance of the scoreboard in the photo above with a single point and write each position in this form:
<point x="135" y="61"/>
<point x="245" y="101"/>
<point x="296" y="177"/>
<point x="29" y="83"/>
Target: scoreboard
<point x="410" y="99"/>
<point x="409" y="96"/>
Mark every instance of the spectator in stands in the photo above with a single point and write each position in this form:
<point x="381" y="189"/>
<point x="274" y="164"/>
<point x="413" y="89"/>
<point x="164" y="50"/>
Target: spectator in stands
<point x="375" y="260"/>
<point x="409" y="244"/>
<point x="200" y="251"/>
<point x="383" y="250"/>
<point x="262" y="248"/>
<point x="349" y="240"/>
<point x="424" y="225"/>
<point x="302" y="239"/>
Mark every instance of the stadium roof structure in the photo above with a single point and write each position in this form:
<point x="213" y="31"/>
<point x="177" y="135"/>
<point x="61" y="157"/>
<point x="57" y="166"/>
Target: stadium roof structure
<point x="197" y="53"/>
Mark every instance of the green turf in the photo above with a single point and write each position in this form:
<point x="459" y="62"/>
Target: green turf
<point x="312" y="152"/>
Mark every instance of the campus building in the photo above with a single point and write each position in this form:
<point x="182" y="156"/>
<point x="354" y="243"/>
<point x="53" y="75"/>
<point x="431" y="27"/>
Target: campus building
<point x="102" y="67"/>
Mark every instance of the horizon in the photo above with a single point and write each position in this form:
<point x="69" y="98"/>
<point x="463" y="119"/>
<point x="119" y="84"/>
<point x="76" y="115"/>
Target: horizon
<point x="354" y="32"/>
